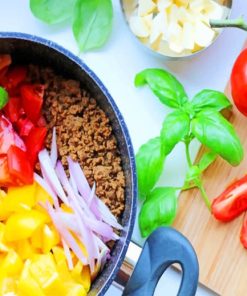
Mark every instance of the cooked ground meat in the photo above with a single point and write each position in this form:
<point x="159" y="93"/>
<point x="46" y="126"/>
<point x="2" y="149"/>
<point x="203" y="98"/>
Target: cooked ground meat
<point x="83" y="132"/>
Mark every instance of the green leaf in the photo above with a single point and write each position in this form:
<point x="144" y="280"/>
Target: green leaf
<point x="52" y="11"/>
<point x="92" y="23"/>
<point x="175" y="127"/>
<point x="207" y="159"/>
<point x="159" y="209"/>
<point x="4" y="97"/>
<point x="216" y="133"/>
<point x="164" y="85"/>
<point x="210" y="99"/>
<point x="149" y="162"/>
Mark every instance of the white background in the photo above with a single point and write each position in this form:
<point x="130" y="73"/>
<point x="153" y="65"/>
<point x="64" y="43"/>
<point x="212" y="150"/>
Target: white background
<point x="116" y="65"/>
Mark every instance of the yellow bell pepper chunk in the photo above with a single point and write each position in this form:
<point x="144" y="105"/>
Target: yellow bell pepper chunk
<point x="65" y="208"/>
<point x="50" y="238"/>
<point x="27" y="285"/>
<point x="76" y="273"/>
<point x="36" y="238"/>
<point x="3" y="246"/>
<point x="8" y="286"/>
<point x="74" y="289"/>
<point x="86" y="278"/>
<point x="41" y="195"/>
<point x="22" y="225"/>
<point x="44" y="270"/>
<point x="19" y="198"/>
<point x="25" y="249"/>
<point x="3" y="213"/>
<point x="12" y="263"/>
<point x="61" y="263"/>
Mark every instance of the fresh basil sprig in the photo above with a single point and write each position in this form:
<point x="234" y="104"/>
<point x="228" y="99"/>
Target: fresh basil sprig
<point x="52" y="11"/>
<point x="159" y="209"/>
<point x="175" y="127"/>
<point x="199" y="118"/>
<point x="91" y="19"/>
<point x="164" y="85"/>
<point x="4" y="97"/>
<point x="92" y="23"/>
<point x="150" y="162"/>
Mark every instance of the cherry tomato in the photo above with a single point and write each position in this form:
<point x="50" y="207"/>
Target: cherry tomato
<point x="239" y="82"/>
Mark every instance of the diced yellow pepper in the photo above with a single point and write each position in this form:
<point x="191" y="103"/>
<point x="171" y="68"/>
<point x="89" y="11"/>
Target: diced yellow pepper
<point x="74" y="289"/>
<point x="36" y="238"/>
<point x="61" y="263"/>
<point x="76" y="272"/>
<point x="8" y="286"/>
<point x="22" y="225"/>
<point x="27" y="285"/>
<point x="25" y="249"/>
<point x="41" y="195"/>
<point x="3" y="213"/>
<point x="12" y="263"/>
<point x="86" y="278"/>
<point x="65" y="208"/>
<point x="43" y="269"/>
<point x="20" y="198"/>
<point x="50" y="238"/>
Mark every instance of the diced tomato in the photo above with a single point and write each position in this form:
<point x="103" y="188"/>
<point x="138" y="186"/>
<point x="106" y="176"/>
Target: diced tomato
<point x="32" y="100"/>
<point x="13" y="109"/>
<point x="5" y="178"/>
<point x="5" y="61"/>
<point x="8" y="136"/>
<point x="19" y="166"/>
<point x="24" y="126"/>
<point x="35" y="142"/>
<point x="2" y="75"/>
<point x="41" y="122"/>
<point x="14" y="77"/>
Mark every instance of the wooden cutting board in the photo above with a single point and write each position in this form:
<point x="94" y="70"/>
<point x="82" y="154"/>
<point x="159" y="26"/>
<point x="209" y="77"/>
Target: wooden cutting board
<point x="222" y="259"/>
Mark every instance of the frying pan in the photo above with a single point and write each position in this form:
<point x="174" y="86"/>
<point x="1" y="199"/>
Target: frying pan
<point x="165" y="246"/>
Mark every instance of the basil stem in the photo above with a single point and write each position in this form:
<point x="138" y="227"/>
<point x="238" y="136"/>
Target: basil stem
<point x="229" y="23"/>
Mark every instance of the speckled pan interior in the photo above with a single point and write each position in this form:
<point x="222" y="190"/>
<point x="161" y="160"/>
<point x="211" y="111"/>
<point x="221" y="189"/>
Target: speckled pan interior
<point x="26" y="48"/>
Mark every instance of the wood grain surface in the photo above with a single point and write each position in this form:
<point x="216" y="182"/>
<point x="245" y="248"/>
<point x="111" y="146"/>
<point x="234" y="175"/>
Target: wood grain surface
<point x="222" y="259"/>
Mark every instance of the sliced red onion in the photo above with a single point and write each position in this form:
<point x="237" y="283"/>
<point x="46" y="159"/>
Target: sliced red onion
<point x="92" y="193"/>
<point x="79" y="177"/>
<point x="67" y="255"/>
<point x="53" y="153"/>
<point x="47" y="188"/>
<point x="73" y="184"/>
<point x="47" y="168"/>
<point x="107" y="216"/>
<point x="65" y="234"/>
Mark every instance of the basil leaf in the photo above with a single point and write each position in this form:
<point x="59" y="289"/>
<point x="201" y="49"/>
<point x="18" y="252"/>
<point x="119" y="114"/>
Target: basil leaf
<point x="164" y="85"/>
<point x="175" y="127"/>
<point x="207" y="159"/>
<point x="149" y="162"/>
<point x="52" y="11"/>
<point x="92" y="23"/>
<point x="216" y="133"/>
<point x="159" y="209"/>
<point x="4" y="97"/>
<point x="210" y="99"/>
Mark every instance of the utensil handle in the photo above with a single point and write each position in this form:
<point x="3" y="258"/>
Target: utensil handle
<point x="164" y="247"/>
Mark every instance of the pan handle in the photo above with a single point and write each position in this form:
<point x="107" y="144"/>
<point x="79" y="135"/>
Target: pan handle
<point x="164" y="247"/>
